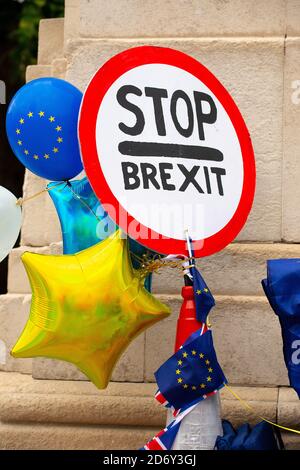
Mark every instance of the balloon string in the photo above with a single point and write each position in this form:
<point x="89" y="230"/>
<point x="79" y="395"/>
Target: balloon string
<point x="84" y="203"/>
<point x="148" y="263"/>
<point x="21" y="200"/>
<point x="249" y="407"/>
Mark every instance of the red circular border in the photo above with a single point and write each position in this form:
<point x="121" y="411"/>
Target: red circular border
<point x="96" y="90"/>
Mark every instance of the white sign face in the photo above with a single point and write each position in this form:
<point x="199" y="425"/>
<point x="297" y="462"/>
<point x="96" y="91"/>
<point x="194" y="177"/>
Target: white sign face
<point x="168" y="184"/>
<point x="169" y="153"/>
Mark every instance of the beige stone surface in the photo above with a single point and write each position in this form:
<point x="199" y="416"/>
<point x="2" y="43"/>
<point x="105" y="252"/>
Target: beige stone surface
<point x="43" y="368"/>
<point x="17" y="281"/>
<point x="130" y="367"/>
<point x="239" y="268"/>
<point x="221" y="271"/>
<point x="181" y="18"/>
<point x="11" y="382"/>
<point x="247" y="340"/>
<point x="14" y="311"/>
<point x="23" y="399"/>
<point x="293" y="18"/>
<point x="37" y="71"/>
<point x="246" y="332"/>
<point x="51" y="40"/>
<point x="72" y="19"/>
<point x="124" y="412"/>
<point x="61" y="437"/>
<point x="263" y="401"/>
<point x="259" y="63"/>
<point x="291" y="440"/>
<point x="40" y="225"/>
<point x="291" y="167"/>
<point x="59" y="67"/>
<point x="56" y="248"/>
<point x="160" y="338"/>
<point x="58" y="437"/>
<point x="289" y="408"/>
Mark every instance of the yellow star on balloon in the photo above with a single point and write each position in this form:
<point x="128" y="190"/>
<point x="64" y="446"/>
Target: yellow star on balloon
<point x="86" y="308"/>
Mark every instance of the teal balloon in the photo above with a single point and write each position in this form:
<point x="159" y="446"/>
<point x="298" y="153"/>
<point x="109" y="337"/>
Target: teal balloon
<point x="84" y="222"/>
<point x="41" y="126"/>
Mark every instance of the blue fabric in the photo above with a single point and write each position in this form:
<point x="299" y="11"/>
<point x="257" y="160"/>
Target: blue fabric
<point x="191" y="373"/>
<point x="261" y="437"/>
<point x="204" y="300"/>
<point x="282" y="288"/>
<point x="225" y="442"/>
<point x="242" y="433"/>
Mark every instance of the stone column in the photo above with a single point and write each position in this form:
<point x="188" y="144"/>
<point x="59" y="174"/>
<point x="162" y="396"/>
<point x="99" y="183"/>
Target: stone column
<point x="254" y="49"/>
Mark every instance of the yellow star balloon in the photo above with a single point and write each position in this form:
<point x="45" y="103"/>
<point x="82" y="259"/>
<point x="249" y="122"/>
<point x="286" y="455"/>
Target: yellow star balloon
<point x="86" y="308"/>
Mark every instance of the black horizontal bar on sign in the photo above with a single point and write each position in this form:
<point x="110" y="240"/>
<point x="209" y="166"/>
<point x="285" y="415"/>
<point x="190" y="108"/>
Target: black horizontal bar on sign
<point x="158" y="149"/>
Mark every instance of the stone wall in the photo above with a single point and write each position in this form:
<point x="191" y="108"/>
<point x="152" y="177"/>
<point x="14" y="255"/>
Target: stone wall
<point x="254" y="49"/>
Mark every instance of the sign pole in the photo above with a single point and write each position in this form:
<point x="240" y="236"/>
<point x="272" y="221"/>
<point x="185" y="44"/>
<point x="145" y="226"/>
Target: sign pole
<point x="165" y="146"/>
<point x="199" y="428"/>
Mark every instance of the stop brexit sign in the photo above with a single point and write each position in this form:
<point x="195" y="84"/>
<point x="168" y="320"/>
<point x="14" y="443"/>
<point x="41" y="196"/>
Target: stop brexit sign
<point x="167" y="151"/>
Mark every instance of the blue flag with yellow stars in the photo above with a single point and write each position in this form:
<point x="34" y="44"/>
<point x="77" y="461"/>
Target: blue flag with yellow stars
<point x="282" y="288"/>
<point x="192" y="373"/>
<point x="204" y="300"/>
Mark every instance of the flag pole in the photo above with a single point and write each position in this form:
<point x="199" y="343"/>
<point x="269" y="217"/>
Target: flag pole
<point x="199" y="428"/>
<point x="189" y="243"/>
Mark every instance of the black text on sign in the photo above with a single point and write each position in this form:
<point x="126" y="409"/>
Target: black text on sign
<point x="145" y="174"/>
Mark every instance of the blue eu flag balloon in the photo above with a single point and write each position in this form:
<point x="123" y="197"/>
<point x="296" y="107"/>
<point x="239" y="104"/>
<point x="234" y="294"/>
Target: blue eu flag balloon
<point x="41" y="126"/>
<point x="282" y="288"/>
<point x="192" y="373"/>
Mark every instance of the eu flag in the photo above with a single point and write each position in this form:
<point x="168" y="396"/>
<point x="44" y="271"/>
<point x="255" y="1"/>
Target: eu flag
<point x="192" y="373"/>
<point x="282" y="288"/>
<point x="204" y="300"/>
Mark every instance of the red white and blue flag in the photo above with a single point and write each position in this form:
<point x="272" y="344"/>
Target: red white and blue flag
<point x="191" y="375"/>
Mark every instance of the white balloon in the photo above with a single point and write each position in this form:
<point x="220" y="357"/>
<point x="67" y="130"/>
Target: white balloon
<point x="10" y="221"/>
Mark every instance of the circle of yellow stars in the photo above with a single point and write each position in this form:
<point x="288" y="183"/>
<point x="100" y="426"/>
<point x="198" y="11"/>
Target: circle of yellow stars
<point x="52" y="121"/>
<point x="178" y="371"/>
